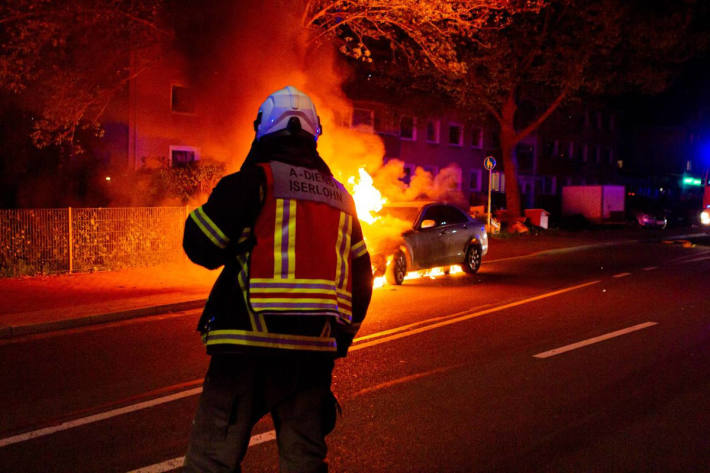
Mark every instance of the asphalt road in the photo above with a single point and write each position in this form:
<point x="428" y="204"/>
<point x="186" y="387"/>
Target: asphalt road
<point x="594" y="360"/>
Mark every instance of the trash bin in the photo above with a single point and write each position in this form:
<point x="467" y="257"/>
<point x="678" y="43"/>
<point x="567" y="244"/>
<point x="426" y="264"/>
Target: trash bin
<point x="538" y="217"/>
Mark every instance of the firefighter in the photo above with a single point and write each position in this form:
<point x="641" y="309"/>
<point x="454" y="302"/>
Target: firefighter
<point x="293" y="292"/>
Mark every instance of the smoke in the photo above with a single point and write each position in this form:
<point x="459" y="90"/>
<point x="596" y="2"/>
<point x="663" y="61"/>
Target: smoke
<point x="246" y="50"/>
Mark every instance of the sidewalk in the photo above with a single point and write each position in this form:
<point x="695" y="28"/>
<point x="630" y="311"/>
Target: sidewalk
<point x="49" y="303"/>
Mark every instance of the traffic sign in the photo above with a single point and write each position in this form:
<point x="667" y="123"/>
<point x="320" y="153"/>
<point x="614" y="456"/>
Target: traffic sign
<point x="489" y="163"/>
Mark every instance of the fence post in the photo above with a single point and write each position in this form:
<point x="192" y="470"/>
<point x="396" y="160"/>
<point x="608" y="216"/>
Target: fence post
<point x="71" y="242"/>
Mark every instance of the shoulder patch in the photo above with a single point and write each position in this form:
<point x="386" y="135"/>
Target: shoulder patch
<point x="295" y="182"/>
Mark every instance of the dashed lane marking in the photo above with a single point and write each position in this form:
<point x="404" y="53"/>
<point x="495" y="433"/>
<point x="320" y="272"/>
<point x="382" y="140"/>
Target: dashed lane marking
<point x="650" y="268"/>
<point x="97" y="417"/>
<point x="591" y="341"/>
<point x="621" y="275"/>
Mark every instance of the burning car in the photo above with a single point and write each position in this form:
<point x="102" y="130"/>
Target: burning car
<point x="427" y="235"/>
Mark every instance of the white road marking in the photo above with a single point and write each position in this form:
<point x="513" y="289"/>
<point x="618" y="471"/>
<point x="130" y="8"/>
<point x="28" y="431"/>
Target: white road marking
<point x="178" y="462"/>
<point x="621" y="275"/>
<point x="649" y="268"/>
<point x="591" y="341"/>
<point x="468" y="316"/>
<point x="97" y="417"/>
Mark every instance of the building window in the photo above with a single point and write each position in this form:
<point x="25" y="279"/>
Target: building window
<point x="455" y="134"/>
<point x="597" y="154"/>
<point x="407" y="128"/>
<point x="363" y="119"/>
<point x="549" y="185"/>
<point x="606" y="156"/>
<point x="433" y="170"/>
<point x="432" y="131"/>
<point x="407" y="173"/>
<point x="585" y="153"/>
<point x="182" y="99"/>
<point x="577" y="152"/>
<point x="477" y="140"/>
<point x="181" y="156"/>
<point x="474" y="180"/>
<point x="564" y="149"/>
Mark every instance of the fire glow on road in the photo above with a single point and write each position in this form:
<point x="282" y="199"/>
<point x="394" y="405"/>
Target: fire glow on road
<point x="359" y="344"/>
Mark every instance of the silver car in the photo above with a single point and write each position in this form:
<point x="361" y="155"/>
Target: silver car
<point x="440" y="235"/>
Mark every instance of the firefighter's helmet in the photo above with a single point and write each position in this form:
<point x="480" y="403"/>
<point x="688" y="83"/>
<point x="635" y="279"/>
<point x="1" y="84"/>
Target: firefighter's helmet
<point x="287" y="109"/>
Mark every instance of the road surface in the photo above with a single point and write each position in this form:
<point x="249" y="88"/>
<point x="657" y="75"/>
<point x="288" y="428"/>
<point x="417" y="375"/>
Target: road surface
<point x="594" y="360"/>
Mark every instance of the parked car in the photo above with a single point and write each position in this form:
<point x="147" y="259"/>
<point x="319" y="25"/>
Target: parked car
<point x="651" y="219"/>
<point x="648" y="213"/>
<point x="437" y="234"/>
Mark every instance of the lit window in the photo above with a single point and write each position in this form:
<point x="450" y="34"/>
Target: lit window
<point x="407" y="128"/>
<point x="455" y="134"/>
<point x="182" y="99"/>
<point x="477" y="133"/>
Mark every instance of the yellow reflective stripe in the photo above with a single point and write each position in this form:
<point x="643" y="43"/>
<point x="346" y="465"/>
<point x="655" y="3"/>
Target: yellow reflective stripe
<point x="359" y="249"/>
<point x="272" y="340"/>
<point x="245" y="235"/>
<point x="294" y="281"/>
<point x="290" y="299"/>
<point x="212" y="225"/>
<point x="209" y="229"/>
<point x="278" y="236"/>
<point x="241" y="278"/>
<point x="346" y="252"/>
<point x="338" y="244"/>
<point x="255" y="290"/>
<point x="292" y="239"/>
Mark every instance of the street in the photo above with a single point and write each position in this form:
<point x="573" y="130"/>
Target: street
<point x="564" y="361"/>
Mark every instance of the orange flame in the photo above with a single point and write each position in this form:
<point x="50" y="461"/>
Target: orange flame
<point x="368" y="200"/>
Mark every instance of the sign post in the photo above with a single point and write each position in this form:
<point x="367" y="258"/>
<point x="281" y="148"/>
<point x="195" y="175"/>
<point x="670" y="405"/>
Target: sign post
<point x="489" y="163"/>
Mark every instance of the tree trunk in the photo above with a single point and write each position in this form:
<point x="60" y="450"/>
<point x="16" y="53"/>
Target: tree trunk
<point x="508" y="140"/>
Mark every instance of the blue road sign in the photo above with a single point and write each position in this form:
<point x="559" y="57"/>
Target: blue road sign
<point x="489" y="163"/>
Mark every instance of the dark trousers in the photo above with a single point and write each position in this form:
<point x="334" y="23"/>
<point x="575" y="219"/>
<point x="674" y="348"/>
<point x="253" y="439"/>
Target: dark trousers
<point x="239" y="390"/>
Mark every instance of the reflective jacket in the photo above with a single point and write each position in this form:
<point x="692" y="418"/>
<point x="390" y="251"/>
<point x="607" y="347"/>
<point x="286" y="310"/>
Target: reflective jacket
<point x="297" y="274"/>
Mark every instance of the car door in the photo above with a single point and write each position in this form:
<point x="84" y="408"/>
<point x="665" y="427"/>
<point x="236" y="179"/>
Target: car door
<point x="454" y="234"/>
<point x="425" y="243"/>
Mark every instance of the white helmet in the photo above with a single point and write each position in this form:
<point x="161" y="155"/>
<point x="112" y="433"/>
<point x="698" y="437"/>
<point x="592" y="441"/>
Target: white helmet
<point x="280" y="107"/>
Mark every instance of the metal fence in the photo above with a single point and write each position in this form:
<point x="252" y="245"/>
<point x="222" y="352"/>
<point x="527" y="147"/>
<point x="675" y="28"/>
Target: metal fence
<point x="45" y="241"/>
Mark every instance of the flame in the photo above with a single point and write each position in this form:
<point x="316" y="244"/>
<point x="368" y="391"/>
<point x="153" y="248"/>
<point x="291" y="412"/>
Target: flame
<point x="368" y="200"/>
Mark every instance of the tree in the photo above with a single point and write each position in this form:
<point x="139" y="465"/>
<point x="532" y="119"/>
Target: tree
<point x="65" y="61"/>
<point x="572" y="47"/>
<point x="423" y="34"/>
<point x="499" y="54"/>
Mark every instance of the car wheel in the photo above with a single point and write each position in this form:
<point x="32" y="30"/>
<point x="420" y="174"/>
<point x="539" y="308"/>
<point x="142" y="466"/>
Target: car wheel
<point x="397" y="269"/>
<point x="473" y="259"/>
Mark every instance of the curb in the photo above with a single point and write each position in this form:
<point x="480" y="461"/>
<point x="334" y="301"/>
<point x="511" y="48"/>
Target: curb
<point x="7" y="332"/>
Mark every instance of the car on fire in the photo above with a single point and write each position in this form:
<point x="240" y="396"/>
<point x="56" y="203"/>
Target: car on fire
<point x="428" y="235"/>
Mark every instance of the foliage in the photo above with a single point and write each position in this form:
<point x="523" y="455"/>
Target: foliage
<point x="542" y="53"/>
<point x="65" y="61"/>
<point x="185" y="183"/>
<point x="422" y="34"/>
